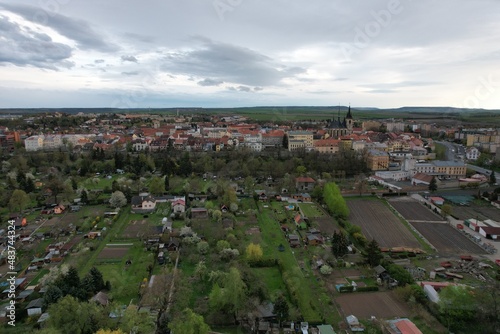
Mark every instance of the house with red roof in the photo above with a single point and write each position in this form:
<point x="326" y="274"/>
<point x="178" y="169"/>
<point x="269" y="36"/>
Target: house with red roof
<point x="305" y="183"/>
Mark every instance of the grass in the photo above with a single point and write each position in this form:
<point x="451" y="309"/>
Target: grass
<point x="310" y="210"/>
<point x="125" y="280"/>
<point x="272" y="277"/>
<point x="312" y="308"/>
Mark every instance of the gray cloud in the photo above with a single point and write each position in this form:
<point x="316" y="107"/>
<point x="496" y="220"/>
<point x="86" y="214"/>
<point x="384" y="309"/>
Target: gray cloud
<point x="210" y="82"/>
<point x="78" y="30"/>
<point x="229" y="63"/>
<point x="23" y="47"/>
<point x="131" y="73"/>
<point x="99" y="61"/>
<point x="130" y="59"/>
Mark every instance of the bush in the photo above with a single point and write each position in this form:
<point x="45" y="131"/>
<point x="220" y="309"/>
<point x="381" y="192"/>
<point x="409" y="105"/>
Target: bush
<point x="367" y="288"/>
<point x="325" y="270"/>
<point x="348" y="288"/>
<point x="263" y="263"/>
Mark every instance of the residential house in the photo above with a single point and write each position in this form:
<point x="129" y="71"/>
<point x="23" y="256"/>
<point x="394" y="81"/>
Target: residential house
<point x="35" y="307"/>
<point x="179" y="206"/>
<point x="472" y="153"/>
<point x="305" y="183"/>
<point x="143" y="204"/>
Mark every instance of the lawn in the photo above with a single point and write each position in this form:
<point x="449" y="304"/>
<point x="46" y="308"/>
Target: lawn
<point x="311" y="210"/>
<point x="272" y="277"/>
<point x="125" y="280"/>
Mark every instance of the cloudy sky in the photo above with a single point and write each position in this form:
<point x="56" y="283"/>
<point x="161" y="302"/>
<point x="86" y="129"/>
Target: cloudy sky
<point x="230" y="53"/>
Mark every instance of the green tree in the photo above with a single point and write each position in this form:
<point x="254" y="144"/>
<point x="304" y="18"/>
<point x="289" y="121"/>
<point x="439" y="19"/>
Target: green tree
<point x="52" y="295"/>
<point x="446" y="210"/>
<point x="189" y="323"/>
<point x="339" y="244"/>
<point x="157" y="186"/>
<point x="372" y="254"/>
<point x="231" y="296"/>
<point x="166" y="182"/>
<point x="493" y="178"/>
<point x="433" y="184"/>
<point x="281" y="308"/>
<point x="19" y="200"/>
<point x="133" y="322"/>
<point x="285" y="141"/>
<point x="457" y="306"/>
<point x="301" y="170"/>
<point x="69" y="315"/>
<point x="84" y="196"/>
<point x="334" y="200"/>
<point x="222" y="244"/>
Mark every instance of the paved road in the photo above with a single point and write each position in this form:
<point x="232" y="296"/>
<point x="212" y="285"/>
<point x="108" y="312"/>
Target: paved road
<point x="453" y="151"/>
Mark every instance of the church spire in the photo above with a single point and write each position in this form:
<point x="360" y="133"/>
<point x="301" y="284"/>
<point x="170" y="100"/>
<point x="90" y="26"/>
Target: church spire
<point x="349" y="116"/>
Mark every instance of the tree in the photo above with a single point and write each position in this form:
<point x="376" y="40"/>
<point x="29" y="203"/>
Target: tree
<point x="222" y="244"/>
<point x="325" y="269"/>
<point x="84" y="197"/>
<point x="339" y="244"/>
<point x="189" y="323"/>
<point x="446" y="210"/>
<point x="167" y="182"/>
<point x="69" y="315"/>
<point x="433" y="184"/>
<point x="110" y="331"/>
<point x="281" y="308"/>
<point x="372" y="254"/>
<point x="334" y="200"/>
<point x="202" y="247"/>
<point x="285" y="141"/>
<point x="200" y="270"/>
<point x="493" y="178"/>
<point x="133" y="322"/>
<point x="457" y="306"/>
<point x="253" y="252"/>
<point x="301" y="170"/>
<point x="231" y="296"/>
<point x="118" y="199"/>
<point x="157" y="186"/>
<point x="19" y="200"/>
<point x="52" y="295"/>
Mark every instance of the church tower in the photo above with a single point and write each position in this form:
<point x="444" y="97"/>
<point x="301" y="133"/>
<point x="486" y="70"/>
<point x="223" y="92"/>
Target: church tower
<point x="349" y="121"/>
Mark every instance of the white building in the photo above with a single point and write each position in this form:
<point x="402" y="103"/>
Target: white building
<point x="34" y="143"/>
<point x="472" y="153"/>
<point x="253" y="142"/>
<point x="52" y="142"/>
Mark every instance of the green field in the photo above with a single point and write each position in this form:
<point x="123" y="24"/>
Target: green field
<point x="311" y="210"/>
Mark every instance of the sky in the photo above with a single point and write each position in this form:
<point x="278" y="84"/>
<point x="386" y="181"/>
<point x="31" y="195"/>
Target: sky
<point x="238" y="53"/>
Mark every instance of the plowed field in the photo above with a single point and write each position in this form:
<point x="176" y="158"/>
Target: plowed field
<point x="378" y="222"/>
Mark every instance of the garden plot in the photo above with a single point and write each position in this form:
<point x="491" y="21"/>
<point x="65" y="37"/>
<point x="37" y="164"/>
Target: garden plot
<point x="446" y="239"/>
<point x="414" y="211"/>
<point x="378" y="222"/>
<point x="383" y="305"/>
<point x="115" y="252"/>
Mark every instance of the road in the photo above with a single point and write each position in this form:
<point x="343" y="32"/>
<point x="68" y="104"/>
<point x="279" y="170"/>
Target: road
<point x="453" y="151"/>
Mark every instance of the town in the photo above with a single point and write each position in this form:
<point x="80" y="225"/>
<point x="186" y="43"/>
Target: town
<point x="225" y="222"/>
